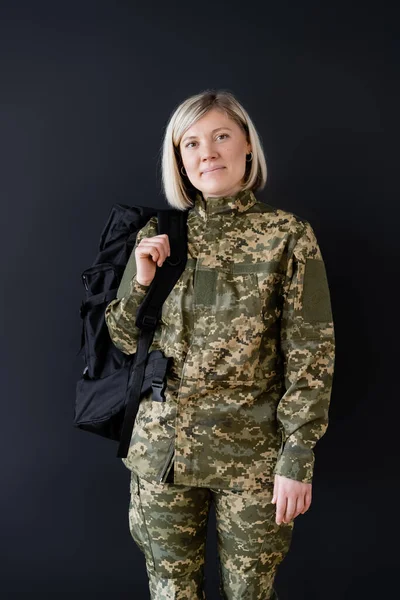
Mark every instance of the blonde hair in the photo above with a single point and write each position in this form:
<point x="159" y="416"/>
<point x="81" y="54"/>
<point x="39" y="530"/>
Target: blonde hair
<point x="178" y="192"/>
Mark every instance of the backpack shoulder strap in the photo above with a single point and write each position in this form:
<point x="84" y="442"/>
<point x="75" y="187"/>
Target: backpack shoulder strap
<point x="174" y="223"/>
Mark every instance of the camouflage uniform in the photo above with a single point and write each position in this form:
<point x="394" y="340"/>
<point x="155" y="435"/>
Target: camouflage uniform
<point x="168" y="522"/>
<point x="249" y="326"/>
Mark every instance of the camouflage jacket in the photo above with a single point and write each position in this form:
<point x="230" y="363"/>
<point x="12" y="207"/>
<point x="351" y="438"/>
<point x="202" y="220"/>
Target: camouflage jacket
<point x="249" y="326"/>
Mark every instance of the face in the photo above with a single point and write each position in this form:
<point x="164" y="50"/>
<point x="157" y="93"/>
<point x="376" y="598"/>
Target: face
<point x="214" y="152"/>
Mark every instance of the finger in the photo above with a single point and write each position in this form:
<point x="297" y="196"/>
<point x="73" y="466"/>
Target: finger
<point x="163" y="241"/>
<point x="156" y="248"/>
<point x="307" y="502"/>
<point x="280" y="508"/>
<point x="167" y="244"/>
<point x="145" y="250"/>
<point x="299" y="506"/>
<point x="290" y="509"/>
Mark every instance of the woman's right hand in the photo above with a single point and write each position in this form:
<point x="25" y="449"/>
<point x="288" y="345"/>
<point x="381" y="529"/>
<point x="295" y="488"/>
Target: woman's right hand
<point x="150" y="253"/>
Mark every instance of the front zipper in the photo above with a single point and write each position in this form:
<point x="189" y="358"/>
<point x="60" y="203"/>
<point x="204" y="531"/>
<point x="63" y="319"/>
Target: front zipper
<point x="168" y="464"/>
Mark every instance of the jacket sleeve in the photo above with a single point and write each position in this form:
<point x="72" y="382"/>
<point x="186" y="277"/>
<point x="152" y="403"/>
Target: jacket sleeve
<point x="308" y="349"/>
<point x="120" y="313"/>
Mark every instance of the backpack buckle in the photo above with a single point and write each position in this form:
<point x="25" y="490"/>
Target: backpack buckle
<point x="149" y="320"/>
<point x="158" y="387"/>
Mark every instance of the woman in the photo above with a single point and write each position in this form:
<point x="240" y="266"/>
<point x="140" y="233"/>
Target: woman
<point x="250" y="330"/>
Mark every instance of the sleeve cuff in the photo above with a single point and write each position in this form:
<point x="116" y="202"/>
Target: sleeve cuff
<point x="139" y="287"/>
<point x="296" y="465"/>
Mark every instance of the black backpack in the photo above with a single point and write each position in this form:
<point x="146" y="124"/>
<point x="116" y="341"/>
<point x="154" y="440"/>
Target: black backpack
<point x="112" y="383"/>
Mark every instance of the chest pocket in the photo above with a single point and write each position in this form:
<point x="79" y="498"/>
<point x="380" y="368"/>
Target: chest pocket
<point x="228" y="323"/>
<point x="220" y="317"/>
<point x="270" y="278"/>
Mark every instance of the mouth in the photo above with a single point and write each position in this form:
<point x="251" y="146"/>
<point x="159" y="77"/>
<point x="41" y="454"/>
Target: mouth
<point x="212" y="170"/>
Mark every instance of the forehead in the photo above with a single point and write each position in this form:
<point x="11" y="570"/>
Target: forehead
<point x="212" y="120"/>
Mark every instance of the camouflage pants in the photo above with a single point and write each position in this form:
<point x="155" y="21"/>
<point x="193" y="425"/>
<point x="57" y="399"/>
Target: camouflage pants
<point x="169" y="523"/>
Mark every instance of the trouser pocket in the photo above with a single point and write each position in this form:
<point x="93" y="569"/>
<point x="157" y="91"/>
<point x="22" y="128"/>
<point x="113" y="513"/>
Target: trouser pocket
<point x="137" y="523"/>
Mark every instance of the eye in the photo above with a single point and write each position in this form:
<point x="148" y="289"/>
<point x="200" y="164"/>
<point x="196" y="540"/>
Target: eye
<point x="188" y="145"/>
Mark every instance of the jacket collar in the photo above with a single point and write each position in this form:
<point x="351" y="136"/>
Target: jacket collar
<point x="239" y="202"/>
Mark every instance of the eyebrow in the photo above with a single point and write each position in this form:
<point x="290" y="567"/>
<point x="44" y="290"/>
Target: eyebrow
<point x="192" y="137"/>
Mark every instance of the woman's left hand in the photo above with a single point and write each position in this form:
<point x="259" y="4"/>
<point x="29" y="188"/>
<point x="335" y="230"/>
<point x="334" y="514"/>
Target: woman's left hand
<point x="292" y="498"/>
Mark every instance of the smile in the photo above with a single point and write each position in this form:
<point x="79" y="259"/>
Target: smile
<point x="213" y="170"/>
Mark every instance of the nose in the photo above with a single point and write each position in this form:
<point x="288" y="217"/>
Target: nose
<point x="209" y="152"/>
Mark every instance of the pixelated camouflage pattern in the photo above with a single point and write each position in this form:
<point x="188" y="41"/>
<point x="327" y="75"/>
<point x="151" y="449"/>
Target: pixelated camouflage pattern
<point x="168" y="522"/>
<point x="250" y="329"/>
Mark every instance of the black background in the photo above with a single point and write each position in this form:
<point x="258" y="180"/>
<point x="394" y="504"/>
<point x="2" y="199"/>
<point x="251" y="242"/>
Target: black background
<point x="86" y="90"/>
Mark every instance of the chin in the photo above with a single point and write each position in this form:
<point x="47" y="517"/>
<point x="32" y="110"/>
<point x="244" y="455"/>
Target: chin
<point x="216" y="190"/>
<point x="213" y="190"/>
